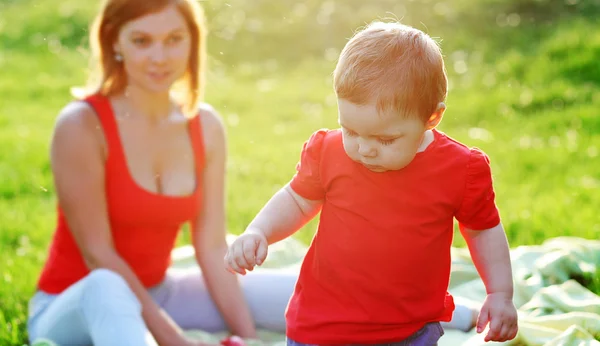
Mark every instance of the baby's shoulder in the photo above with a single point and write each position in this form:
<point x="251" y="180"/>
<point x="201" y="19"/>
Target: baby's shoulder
<point x="456" y="148"/>
<point x="321" y="138"/>
<point x="324" y="142"/>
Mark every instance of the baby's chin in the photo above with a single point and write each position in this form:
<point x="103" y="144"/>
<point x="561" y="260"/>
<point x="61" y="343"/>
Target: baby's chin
<point x="382" y="169"/>
<point x="396" y="167"/>
<point x="377" y="169"/>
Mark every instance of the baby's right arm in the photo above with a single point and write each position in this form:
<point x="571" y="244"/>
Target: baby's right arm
<point x="284" y="214"/>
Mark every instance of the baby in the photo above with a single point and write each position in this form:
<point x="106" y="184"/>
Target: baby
<point x="388" y="186"/>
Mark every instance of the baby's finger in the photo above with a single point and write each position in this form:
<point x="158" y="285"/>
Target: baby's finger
<point x="235" y="268"/>
<point x="510" y="331"/>
<point x="483" y="318"/>
<point x="227" y="261"/>
<point x="505" y="333"/>
<point x="495" y="329"/>
<point x="241" y="264"/>
<point x="238" y="256"/>
<point x="514" y="331"/>
<point x="261" y="252"/>
<point x="250" y="254"/>
<point x="237" y="253"/>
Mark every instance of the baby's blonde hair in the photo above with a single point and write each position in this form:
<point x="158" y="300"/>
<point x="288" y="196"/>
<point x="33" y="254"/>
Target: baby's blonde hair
<point x="394" y="66"/>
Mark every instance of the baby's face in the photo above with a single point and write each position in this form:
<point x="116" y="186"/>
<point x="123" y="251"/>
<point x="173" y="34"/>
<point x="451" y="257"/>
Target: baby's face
<point x="381" y="142"/>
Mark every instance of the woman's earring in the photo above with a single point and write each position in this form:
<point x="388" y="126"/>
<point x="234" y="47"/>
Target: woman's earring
<point x="118" y="57"/>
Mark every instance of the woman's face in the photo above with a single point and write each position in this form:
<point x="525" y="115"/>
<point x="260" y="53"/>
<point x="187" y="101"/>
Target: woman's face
<point x="155" y="49"/>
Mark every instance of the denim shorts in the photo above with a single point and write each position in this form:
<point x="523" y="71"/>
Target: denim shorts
<point x="426" y="336"/>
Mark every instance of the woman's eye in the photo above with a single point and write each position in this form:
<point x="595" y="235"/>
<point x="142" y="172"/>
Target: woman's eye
<point x="140" y="40"/>
<point x="174" y="39"/>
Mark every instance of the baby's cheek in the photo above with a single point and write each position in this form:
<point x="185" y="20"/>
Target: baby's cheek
<point x="397" y="156"/>
<point x="388" y="156"/>
<point x="349" y="147"/>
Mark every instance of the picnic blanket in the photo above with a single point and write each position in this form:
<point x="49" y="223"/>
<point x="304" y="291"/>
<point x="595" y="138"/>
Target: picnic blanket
<point x="554" y="305"/>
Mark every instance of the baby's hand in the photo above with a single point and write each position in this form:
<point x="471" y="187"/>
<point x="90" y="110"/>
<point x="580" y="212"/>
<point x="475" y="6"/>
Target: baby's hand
<point x="499" y="311"/>
<point x="247" y="251"/>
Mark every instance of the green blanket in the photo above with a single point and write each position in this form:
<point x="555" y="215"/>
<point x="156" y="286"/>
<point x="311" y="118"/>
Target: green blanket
<point x="554" y="307"/>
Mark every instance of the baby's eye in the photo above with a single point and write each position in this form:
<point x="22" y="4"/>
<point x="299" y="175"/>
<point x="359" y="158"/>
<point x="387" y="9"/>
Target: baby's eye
<point x="350" y="133"/>
<point x="386" y="141"/>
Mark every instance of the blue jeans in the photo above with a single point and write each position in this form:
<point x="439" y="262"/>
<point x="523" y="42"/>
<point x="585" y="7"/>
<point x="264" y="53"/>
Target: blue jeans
<point x="426" y="336"/>
<point x="102" y="310"/>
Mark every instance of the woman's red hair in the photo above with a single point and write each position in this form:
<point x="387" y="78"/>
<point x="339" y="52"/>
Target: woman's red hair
<point x="110" y="78"/>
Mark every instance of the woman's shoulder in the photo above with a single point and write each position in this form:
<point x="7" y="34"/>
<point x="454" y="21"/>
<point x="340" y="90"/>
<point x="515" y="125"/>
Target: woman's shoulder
<point x="210" y="117"/>
<point x="77" y="118"/>
<point x="77" y="135"/>
<point x="212" y="128"/>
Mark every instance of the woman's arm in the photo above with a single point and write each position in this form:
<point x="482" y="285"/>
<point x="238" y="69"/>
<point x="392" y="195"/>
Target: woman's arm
<point x="77" y="159"/>
<point x="209" y="234"/>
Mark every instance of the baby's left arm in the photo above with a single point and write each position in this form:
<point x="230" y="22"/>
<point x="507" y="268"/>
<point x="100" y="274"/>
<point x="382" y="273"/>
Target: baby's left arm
<point x="490" y="252"/>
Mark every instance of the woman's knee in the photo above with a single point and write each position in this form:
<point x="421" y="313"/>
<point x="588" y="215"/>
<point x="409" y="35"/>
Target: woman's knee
<point x="108" y="290"/>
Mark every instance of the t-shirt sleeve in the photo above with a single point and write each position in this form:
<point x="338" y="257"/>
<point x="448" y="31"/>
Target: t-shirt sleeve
<point x="478" y="210"/>
<point x="307" y="180"/>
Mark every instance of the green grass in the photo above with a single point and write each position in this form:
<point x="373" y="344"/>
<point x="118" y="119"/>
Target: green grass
<point x="524" y="88"/>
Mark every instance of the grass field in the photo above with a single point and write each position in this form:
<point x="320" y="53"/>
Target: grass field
<point x="524" y="79"/>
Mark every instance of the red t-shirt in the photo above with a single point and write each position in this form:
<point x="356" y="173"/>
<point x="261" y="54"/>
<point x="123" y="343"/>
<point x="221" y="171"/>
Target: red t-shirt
<point x="378" y="267"/>
<point x="144" y="225"/>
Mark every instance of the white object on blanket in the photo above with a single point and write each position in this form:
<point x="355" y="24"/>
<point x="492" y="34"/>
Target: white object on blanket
<point x="554" y="309"/>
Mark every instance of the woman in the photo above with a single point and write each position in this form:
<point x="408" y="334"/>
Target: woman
<point x="132" y="161"/>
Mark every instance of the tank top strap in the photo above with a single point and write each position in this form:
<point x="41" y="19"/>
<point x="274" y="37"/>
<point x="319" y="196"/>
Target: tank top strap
<point x="195" y="129"/>
<point x="103" y="109"/>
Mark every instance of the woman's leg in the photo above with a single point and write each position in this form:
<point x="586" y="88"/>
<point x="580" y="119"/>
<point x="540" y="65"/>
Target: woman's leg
<point x="100" y="309"/>
<point x="185" y="298"/>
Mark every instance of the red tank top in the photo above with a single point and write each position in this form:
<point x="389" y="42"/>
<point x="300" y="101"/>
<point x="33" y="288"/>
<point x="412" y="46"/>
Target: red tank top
<point x="144" y="225"/>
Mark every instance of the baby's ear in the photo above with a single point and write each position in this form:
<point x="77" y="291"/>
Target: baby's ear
<point x="435" y="118"/>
